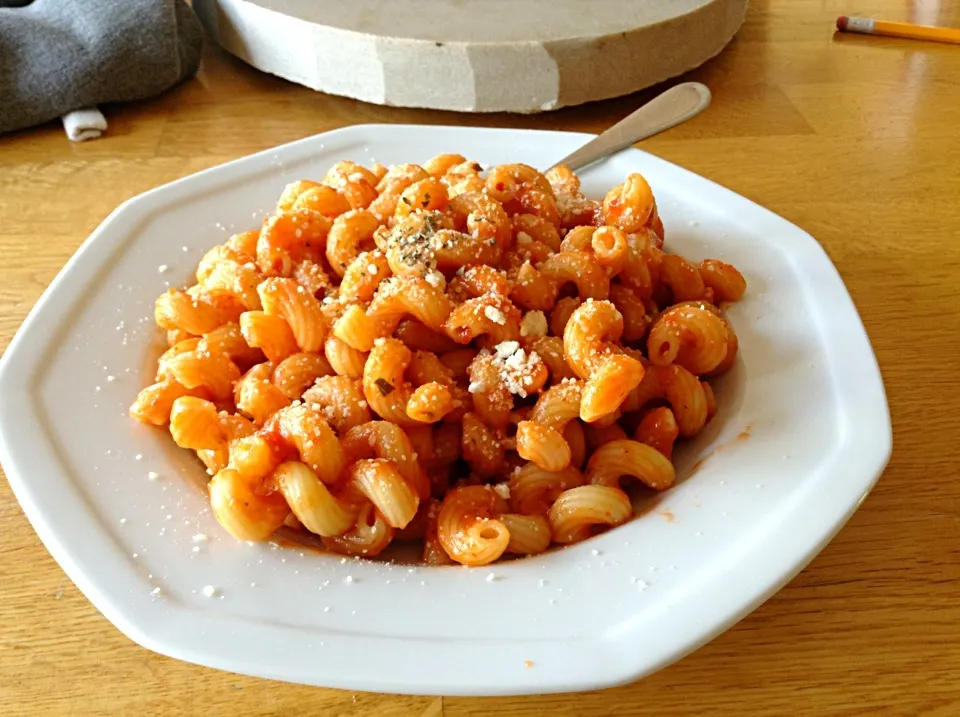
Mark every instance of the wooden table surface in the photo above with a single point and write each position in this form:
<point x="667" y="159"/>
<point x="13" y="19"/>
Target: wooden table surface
<point x="855" y="139"/>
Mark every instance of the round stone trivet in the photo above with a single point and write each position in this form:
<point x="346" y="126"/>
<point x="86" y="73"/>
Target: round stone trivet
<point x="474" y="55"/>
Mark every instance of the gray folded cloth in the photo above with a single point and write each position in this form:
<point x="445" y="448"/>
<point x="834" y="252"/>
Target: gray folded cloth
<point x="57" y="56"/>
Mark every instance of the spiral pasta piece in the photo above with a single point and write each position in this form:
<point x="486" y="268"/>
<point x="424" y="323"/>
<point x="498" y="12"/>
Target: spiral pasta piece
<point x="529" y="534"/>
<point x="723" y="279"/>
<point x="613" y="460"/>
<point x="288" y="237"/>
<point x="343" y="358"/>
<point x="492" y="400"/>
<point x="636" y="321"/>
<point x="658" y="429"/>
<point x="467" y="528"/>
<point x="479" y="280"/>
<point x="235" y="278"/>
<point x="491" y="316"/>
<point x="300" y="309"/>
<point x="689" y="336"/>
<point x="506" y="182"/>
<point x="323" y="200"/>
<point x="607" y="244"/>
<point x="541" y="439"/>
<point x="483" y="447"/>
<point x="429" y="195"/>
<point x="529" y="228"/>
<point x="306" y="429"/>
<point x="630" y="205"/>
<point x="485" y="231"/>
<point x="534" y="489"/>
<point x="681" y="278"/>
<point x="256" y="396"/>
<point x="271" y="334"/>
<point x="578" y="512"/>
<point x="641" y="268"/>
<point x="589" y="346"/>
<point x="410" y="296"/>
<point x="580" y="269"/>
<point x="391" y="187"/>
<point x="381" y="483"/>
<point x="177" y="309"/>
<point x="733" y="346"/>
<point x="550" y="350"/>
<point x="292" y="192"/>
<point x="350" y="235"/>
<point x="387" y="390"/>
<point x="439" y="165"/>
<point x="385" y="440"/>
<point x="296" y="373"/>
<point x="686" y="395"/>
<point x="228" y="339"/>
<point x="433" y="552"/>
<point x="311" y="501"/>
<point x="363" y="277"/>
<point x="154" y="403"/>
<point x="462" y="178"/>
<point x="246" y="508"/>
<point x="370" y="535"/>
<point x="211" y="370"/>
<point x="341" y="399"/>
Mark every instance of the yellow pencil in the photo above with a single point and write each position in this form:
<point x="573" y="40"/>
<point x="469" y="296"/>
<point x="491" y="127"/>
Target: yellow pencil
<point x="869" y="26"/>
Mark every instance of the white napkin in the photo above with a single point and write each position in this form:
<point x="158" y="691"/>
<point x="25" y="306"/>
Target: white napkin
<point x="84" y="124"/>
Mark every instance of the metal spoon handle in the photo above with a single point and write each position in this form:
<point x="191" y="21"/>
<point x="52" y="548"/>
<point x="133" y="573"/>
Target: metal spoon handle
<point x="676" y="105"/>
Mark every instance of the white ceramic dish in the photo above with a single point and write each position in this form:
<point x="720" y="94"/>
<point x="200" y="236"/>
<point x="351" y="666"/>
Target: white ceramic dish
<point x="742" y="523"/>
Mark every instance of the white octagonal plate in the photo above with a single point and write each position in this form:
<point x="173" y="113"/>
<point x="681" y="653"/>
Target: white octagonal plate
<point x="802" y="435"/>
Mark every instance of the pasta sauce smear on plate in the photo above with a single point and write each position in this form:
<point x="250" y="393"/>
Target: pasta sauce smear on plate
<point x="473" y="360"/>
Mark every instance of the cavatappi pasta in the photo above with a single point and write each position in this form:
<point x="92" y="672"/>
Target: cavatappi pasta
<point x="474" y="360"/>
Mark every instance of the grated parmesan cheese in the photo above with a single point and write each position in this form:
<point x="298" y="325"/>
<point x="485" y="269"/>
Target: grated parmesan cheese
<point x="534" y="324"/>
<point x="516" y="366"/>
<point x="523" y="238"/>
<point x="495" y="315"/>
<point x="505" y="349"/>
<point x="503" y="490"/>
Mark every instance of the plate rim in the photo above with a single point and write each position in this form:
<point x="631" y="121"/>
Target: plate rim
<point x="866" y="453"/>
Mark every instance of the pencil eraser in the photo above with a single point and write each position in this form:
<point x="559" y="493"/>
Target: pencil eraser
<point x="842" y="22"/>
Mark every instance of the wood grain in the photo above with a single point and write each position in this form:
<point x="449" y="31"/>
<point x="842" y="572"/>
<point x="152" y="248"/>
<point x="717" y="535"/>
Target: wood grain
<point x="855" y="139"/>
